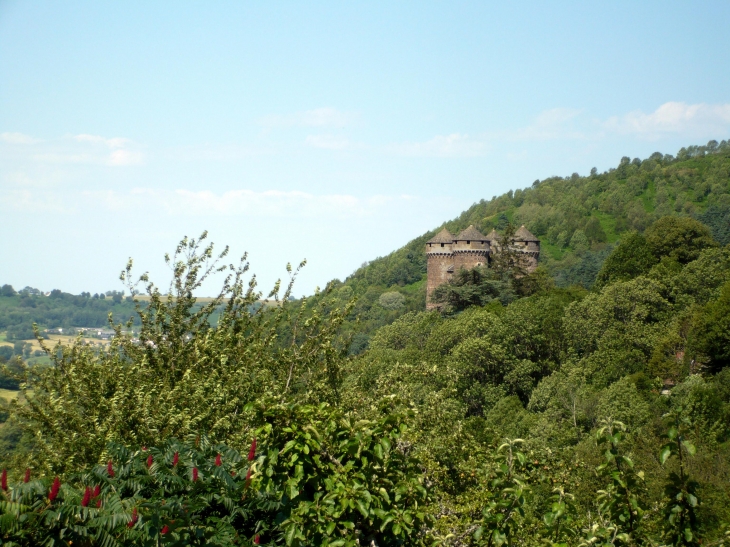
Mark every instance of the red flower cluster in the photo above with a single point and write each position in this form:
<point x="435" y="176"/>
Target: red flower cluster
<point x="110" y="469"/>
<point x="252" y="452"/>
<point x="149" y="461"/>
<point x="165" y="529"/>
<point x="54" y="489"/>
<point x="26" y="479"/>
<point x="133" y="521"/>
<point x="248" y="477"/>
<point x="218" y="461"/>
<point x="195" y="474"/>
<point x="4" y="480"/>
<point x="87" y="497"/>
<point x="257" y="539"/>
<point x="175" y="459"/>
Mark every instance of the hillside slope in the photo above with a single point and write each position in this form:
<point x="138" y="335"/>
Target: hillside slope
<point x="578" y="219"/>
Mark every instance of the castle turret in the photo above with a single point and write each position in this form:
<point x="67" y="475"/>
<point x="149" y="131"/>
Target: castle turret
<point x="524" y="241"/>
<point x="439" y="262"/>
<point x="471" y="249"/>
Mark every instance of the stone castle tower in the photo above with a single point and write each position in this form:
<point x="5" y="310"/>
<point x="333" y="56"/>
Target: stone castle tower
<point x="446" y="254"/>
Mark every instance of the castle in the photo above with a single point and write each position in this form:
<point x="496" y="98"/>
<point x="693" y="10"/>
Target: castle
<point x="446" y="254"/>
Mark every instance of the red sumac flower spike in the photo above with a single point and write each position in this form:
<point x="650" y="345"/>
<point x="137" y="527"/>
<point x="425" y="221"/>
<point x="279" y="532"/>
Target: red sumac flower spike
<point x="195" y="474"/>
<point x="149" y="461"/>
<point x="110" y="469"/>
<point x="97" y="491"/>
<point x="27" y="475"/>
<point x="132" y="522"/>
<point x="98" y="503"/>
<point x="257" y="540"/>
<point x="4" y="480"/>
<point x="165" y="529"/>
<point x="218" y="461"/>
<point x="252" y="452"/>
<point x="54" y="489"/>
<point x="175" y="459"/>
<point x="87" y="497"/>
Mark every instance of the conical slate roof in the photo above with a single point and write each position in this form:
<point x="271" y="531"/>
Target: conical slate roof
<point x="469" y="234"/>
<point x="523" y="234"/>
<point x="444" y="236"/>
<point x="493" y="235"/>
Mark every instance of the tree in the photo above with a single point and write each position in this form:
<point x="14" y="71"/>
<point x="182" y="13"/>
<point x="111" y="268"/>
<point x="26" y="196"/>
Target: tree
<point x="594" y="231"/>
<point x="709" y="337"/>
<point x="186" y="374"/>
<point x="475" y="287"/>
<point x="7" y="290"/>
<point x="680" y="238"/>
<point x="631" y="258"/>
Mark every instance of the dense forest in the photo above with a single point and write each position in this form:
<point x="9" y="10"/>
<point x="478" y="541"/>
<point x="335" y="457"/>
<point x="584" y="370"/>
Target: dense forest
<point x="586" y="404"/>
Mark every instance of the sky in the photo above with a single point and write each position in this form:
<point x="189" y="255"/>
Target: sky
<point x="331" y="131"/>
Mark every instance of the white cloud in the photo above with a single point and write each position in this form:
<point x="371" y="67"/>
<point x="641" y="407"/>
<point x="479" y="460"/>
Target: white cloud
<point x="116" y="142"/>
<point x="74" y="149"/>
<point x="18" y="138"/>
<point x="673" y="117"/>
<point x="319" y="117"/>
<point x="551" y="124"/>
<point x="442" y="146"/>
<point x="125" y="157"/>
<point x="328" y="142"/>
<point x="268" y="204"/>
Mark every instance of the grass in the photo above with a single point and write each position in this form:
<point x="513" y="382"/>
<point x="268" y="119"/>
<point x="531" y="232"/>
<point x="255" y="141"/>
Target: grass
<point x="647" y="197"/>
<point x="608" y="223"/>
<point x="54" y="339"/>
<point x="9" y="394"/>
<point x="553" y="251"/>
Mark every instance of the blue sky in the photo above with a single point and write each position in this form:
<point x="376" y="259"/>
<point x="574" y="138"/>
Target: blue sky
<point x="333" y="131"/>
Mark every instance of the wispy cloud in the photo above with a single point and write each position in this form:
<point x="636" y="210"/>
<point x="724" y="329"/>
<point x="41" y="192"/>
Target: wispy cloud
<point x="328" y="142"/>
<point x="673" y="117"/>
<point x="319" y="117"/>
<point x="455" y="145"/>
<point x="74" y="149"/>
<point x="555" y="123"/>
<point x="269" y="203"/>
<point x="116" y="142"/>
<point x="18" y="138"/>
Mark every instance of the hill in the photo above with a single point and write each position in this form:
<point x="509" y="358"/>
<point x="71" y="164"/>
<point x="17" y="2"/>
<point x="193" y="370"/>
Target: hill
<point x="579" y="219"/>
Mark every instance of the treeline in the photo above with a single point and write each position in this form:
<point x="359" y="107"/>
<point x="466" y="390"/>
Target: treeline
<point x="579" y="220"/>
<point x="19" y="310"/>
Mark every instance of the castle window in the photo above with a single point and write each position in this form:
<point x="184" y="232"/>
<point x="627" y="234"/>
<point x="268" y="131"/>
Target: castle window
<point x="442" y="244"/>
<point x="467" y="242"/>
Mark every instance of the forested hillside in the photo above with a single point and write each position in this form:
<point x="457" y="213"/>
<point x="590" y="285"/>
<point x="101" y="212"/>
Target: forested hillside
<point x="578" y="219"/>
<point x="542" y="413"/>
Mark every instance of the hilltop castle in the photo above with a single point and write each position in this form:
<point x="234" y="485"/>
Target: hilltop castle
<point x="446" y="254"/>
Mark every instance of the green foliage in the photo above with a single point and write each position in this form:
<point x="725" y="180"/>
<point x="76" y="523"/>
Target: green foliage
<point x="620" y="500"/>
<point x="710" y="334"/>
<point x="630" y="259"/>
<point x="182" y="376"/>
<point x="506" y="499"/>
<point x="679" y="238"/>
<point x="315" y="478"/>
<point x="680" y="508"/>
<point x="475" y="287"/>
